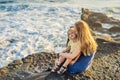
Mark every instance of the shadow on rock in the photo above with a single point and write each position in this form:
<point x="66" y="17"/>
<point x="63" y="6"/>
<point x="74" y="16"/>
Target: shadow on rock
<point x="55" y="76"/>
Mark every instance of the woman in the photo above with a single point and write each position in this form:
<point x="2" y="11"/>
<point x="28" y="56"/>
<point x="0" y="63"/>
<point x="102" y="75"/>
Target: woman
<point x="85" y="50"/>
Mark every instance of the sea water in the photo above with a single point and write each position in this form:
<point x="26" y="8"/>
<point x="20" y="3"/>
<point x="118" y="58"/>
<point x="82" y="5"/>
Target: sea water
<point x="32" y="26"/>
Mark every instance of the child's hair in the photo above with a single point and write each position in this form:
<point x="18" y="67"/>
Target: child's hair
<point x="87" y="41"/>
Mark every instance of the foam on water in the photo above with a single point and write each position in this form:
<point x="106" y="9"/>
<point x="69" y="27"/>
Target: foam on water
<point x="39" y="25"/>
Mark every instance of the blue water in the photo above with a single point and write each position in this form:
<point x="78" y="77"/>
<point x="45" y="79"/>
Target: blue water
<point x="31" y="26"/>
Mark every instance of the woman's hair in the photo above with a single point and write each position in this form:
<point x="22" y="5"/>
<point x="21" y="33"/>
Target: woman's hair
<point x="88" y="44"/>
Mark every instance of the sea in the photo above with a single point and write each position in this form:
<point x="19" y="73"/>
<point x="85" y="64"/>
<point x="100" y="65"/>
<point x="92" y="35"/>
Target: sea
<point x="32" y="26"/>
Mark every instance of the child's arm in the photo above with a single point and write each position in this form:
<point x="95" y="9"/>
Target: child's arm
<point x="67" y="49"/>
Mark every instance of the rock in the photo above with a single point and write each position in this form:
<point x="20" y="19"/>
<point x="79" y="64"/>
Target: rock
<point x="97" y="26"/>
<point x="115" y="29"/>
<point x="107" y="38"/>
<point x="98" y="17"/>
<point x="91" y="17"/>
<point x="4" y="70"/>
<point x="97" y="20"/>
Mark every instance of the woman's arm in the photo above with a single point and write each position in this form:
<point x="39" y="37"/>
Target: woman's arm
<point x="72" y="55"/>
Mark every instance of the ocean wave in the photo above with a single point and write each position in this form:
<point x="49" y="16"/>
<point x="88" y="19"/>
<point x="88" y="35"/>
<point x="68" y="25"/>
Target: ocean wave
<point x="6" y="1"/>
<point x="13" y="8"/>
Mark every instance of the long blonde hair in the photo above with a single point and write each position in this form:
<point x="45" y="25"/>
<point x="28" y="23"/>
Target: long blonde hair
<point x="88" y="44"/>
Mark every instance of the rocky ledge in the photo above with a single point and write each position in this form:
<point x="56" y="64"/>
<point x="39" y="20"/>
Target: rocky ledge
<point x="101" y="23"/>
<point x="105" y="66"/>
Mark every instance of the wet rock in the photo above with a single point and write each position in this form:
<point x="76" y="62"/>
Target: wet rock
<point x="17" y="62"/>
<point x="4" y="70"/>
<point x="97" y="26"/>
<point x="115" y="29"/>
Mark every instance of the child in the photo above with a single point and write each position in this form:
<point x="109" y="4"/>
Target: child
<point x="72" y="44"/>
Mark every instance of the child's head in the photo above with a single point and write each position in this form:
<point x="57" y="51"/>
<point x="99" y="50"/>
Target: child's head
<point x="71" y="34"/>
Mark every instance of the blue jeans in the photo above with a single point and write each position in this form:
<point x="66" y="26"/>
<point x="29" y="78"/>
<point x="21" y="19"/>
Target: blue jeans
<point x="81" y="64"/>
